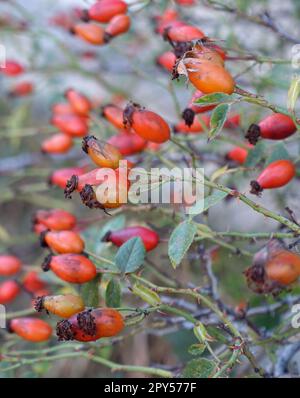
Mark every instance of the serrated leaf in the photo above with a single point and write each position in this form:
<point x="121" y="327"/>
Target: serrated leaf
<point x="199" y="368"/>
<point x="113" y="294"/>
<point x="279" y="153"/>
<point x="130" y="255"/>
<point x="196" y="349"/>
<point x="217" y="120"/>
<point x="180" y="240"/>
<point x="90" y="292"/>
<point x="256" y="154"/>
<point x="214" y="98"/>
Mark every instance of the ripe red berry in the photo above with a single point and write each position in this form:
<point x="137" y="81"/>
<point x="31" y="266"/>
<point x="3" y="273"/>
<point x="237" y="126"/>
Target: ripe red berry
<point x="91" y="325"/>
<point x="104" y="10"/>
<point x="147" y="124"/>
<point x="62" y="108"/>
<point x="275" y="175"/>
<point x="58" y="143"/>
<point x="31" y="329"/>
<point x="72" y="268"/>
<point x="9" y="265"/>
<point x="63" y="241"/>
<point x="101" y="153"/>
<point x="9" y="290"/>
<point x="273" y="127"/>
<point x="118" y="25"/>
<point x="183" y="33"/>
<point x="12" y="68"/>
<point x="128" y="143"/>
<point x="233" y="121"/>
<point x="238" y="154"/>
<point x="56" y="219"/>
<point x="33" y="283"/>
<point x="113" y="114"/>
<point x="79" y="102"/>
<point x="89" y="32"/>
<point x="63" y="306"/>
<point x="167" y="60"/>
<point x="61" y="176"/>
<point x="21" y="89"/>
<point x="149" y="237"/>
<point x="70" y="124"/>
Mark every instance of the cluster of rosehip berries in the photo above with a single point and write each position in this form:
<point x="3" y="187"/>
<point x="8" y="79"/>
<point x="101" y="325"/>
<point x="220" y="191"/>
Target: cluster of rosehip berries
<point x="58" y="231"/>
<point x="15" y="69"/>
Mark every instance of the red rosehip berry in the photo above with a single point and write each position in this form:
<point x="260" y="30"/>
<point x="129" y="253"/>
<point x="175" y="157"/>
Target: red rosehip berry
<point x="91" y="325"/>
<point x="79" y="102"/>
<point x="149" y="237"/>
<point x="127" y="142"/>
<point x="56" y="219"/>
<point x="12" y="68"/>
<point x="9" y="290"/>
<point x="273" y="127"/>
<point x="118" y="25"/>
<point x="70" y="124"/>
<point x="21" y="89"/>
<point x="167" y="60"/>
<point x="31" y="329"/>
<point x="147" y="124"/>
<point x="32" y="282"/>
<point x="9" y="265"/>
<point x="57" y="144"/>
<point x="275" y="175"/>
<point x="104" y="10"/>
<point x="72" y="268"/>
<point x="63" y="241"/>
<point x="114" y="115"/>
<point x="61" y="176"/>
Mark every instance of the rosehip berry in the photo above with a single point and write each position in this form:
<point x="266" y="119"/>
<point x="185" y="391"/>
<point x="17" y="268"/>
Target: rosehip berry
<point x="31" y="329"/>
<point x="101" y="153"/>
<point x="128" y="143"/>
<point x="63" y="241"/>
<point x="33" y="283"/>
<point x="79" y="102"/>
<point x="89" y="32"/>
<point x="61" y="176"/>
<point x="78" y="182"/>
<point x="9" y="290"/>
<point x="238" y="154"/>
<point x="147" y="124"/>
<point x="168" y="16"/>
<point x="210" y="78"/>
<point x="167" y="60"/>
<point x="63" y="306"/>
<point x="21" y="89"/>
<point x="273" y="127"/>
<point x="283" y="267"/>
<point x="9" y="265"/>
<point x="104" y="10"/>
<point x="70" y="124"/>
<point x="91" y="325"/>
<point x="183" y="33"/>
<point x="58" y="143"/>
<point x="72" y="268"/>
<point x="198" y="125"/>
<point x="119" y="24"/>
<point x="233" y="121"/>
<point x="193" y="109"/>
<point x="186" y="2"/>
<point x="62" y="108"/>
<point x="149" y="237"/>
<point x="208" y="53"/>
<point x="275" y="175"/>
<point x="12" y="68"/>
<point x="113" y="114"/>
<point x="56" y="219"/>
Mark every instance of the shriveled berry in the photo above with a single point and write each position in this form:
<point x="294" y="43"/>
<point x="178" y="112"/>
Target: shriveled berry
<point x="77" y="183"/>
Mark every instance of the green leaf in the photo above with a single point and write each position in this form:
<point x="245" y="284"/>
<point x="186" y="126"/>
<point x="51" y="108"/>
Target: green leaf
<point x="256" y="154"/>
<point x="130" y="255"/>
<point x="213" y="199"/>
<point x="146" y="294"/>
<point x="196" y="349"/>
<point x="217" y="120"/>
<point x="279" y="152"/>
<point x="214" y="98"/>
<point x="90" y="292"/>
<point x="180" y="240"/>
<point x="199" y="368"/>
<point x="113" y="294"/>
